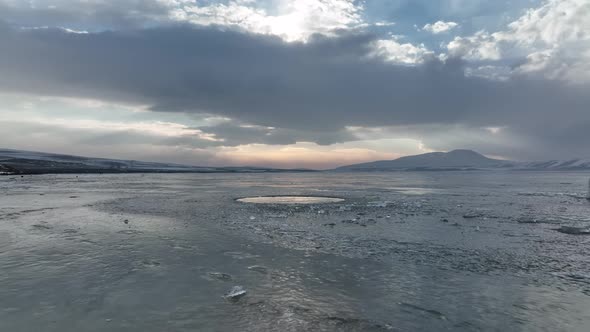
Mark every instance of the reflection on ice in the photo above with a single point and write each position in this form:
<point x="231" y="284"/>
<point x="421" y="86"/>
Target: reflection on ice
<point x="290" y="200"/>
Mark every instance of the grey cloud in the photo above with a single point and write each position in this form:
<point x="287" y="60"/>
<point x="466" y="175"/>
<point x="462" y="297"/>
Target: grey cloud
<point x="236" y="134"/>
<point x="12" y="132"/>
<point x="127" y="144"/>
<point x="94" y="15"/>
<point x="231" y="133"/>
<point x="557" y="141"/>
<point x="318" y="87"/>
<point x="137" y="137"/>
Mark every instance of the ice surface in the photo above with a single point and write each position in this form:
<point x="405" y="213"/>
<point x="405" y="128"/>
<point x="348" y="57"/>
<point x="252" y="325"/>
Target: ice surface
<point x="72" y="264"/>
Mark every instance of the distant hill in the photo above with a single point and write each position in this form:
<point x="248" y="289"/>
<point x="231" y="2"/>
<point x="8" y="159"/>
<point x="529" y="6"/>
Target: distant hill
<point x="456" y="159"/>
<point x="572" y="165"/>
<point x="28" y="162"/>
<point x="462" y="160"/>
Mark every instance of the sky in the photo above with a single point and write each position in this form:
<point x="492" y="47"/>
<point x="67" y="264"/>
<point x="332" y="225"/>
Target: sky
<point x="295" y="83"/>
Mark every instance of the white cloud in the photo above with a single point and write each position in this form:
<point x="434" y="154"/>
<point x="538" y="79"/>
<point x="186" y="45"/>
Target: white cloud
<point x="394" y="51"/>
<point x="295" y="20"/>
<point x="440" y="27"/>
<point x="292" y="20"/>
<point x="494" y="130"/>
<point x="552" y="40"/>
<point x="480" y="46"/>
<point x="384" y="24"/>
<point x="61" y="28"/>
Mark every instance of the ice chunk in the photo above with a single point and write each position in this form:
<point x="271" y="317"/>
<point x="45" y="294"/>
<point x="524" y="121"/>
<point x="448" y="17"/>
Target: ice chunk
<point x="574" y="230"/>
<point x="472" y="215"/>
<point x="258" y="268"/>
<point x="220" y="276"/>
<point x="235" y="293"/>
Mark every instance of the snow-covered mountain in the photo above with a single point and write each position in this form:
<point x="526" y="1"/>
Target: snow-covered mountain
<point x="456" y="159"/>
<point x="572" y="164"/>
<point x="28" y="162"/>
<point x="463" y="160"/>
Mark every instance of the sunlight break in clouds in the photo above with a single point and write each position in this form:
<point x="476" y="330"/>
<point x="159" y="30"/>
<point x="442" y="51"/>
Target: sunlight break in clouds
<point x="295" y="20"/>
<point x="301" y="155"/>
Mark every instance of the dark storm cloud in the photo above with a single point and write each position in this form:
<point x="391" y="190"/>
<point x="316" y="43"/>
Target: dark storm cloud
<point x="318" y="87"/>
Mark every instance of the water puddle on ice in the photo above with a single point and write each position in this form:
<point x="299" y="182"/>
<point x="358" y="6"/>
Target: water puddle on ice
<point x="290" y="200"/>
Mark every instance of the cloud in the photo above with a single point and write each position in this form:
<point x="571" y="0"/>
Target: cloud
<point x="302" y="155"/>
<point x="393" y="51"/>
<point x="480" y="46"/>
<point x="231" y="133"/>
<point x="552" y="41"/>
<point x="306" y="91"/>
<point x="440" y="27"/>
<point x="93" y="15"/>
<point x="103" y="142"/>
<point x="255" y="79"/>
<point x="292" y="20"/>
<point x="384" y="24"/>
<point x="282" y="76"/>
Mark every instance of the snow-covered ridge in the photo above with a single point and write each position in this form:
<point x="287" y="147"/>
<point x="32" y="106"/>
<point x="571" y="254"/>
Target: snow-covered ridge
<point x="456" y="159"/>
<point x="464" y="160"/>
<point x="573" y="164"/>
<point x="28" y="162"/>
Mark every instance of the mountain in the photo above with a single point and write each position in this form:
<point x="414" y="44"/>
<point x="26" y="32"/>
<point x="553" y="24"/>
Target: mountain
<point x="28" y="162"/>
<point x="456" y="159"/>
<point x="464" y="160"/>
<point x="570" y="165"/>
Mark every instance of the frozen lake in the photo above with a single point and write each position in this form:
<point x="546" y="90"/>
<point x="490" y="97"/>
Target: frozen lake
<point x="461" y="251"/>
